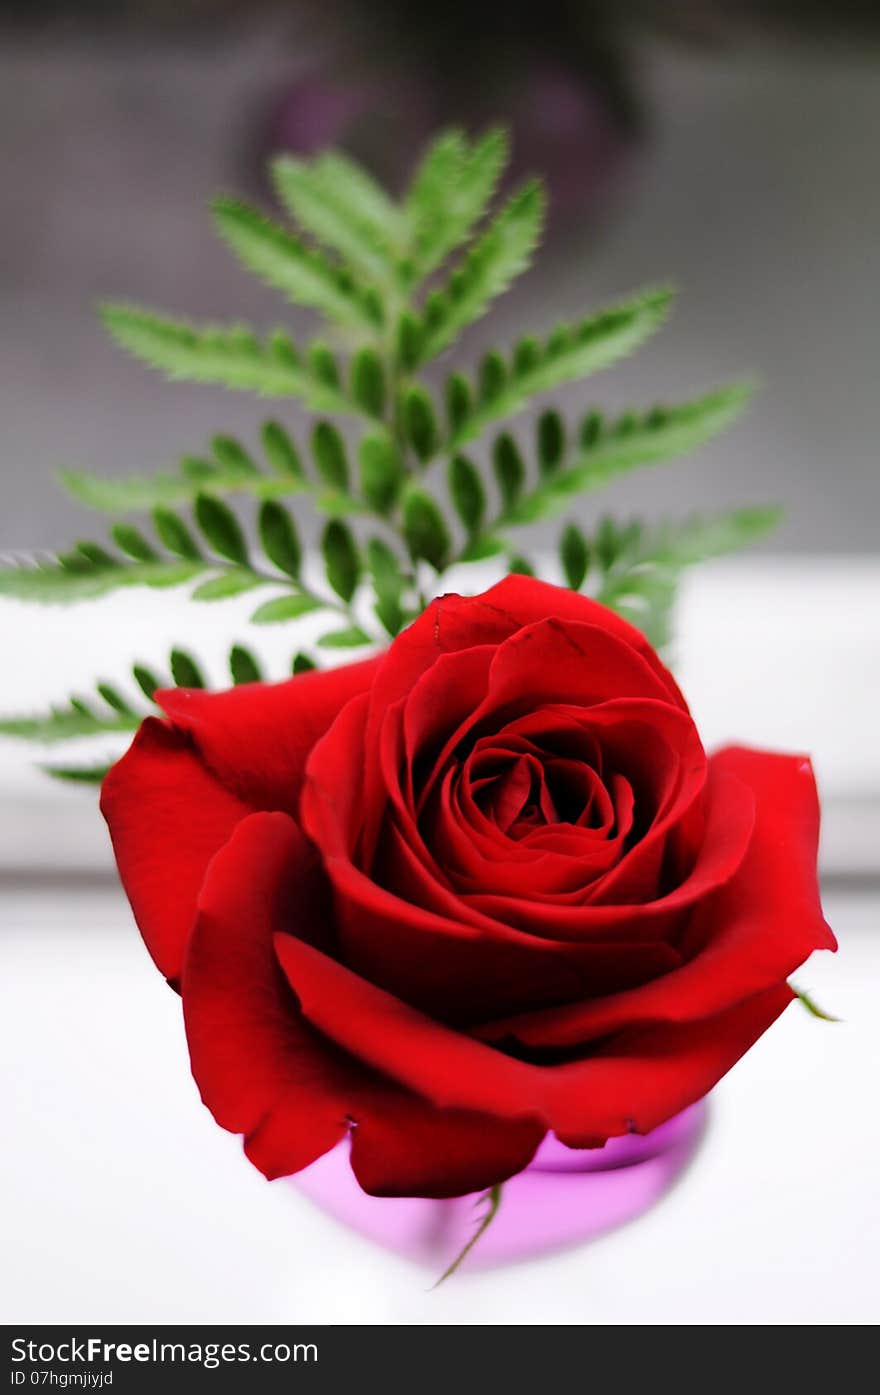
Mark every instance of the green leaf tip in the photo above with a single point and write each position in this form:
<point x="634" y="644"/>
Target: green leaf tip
<point x="78" y="774"/>
<point x="221" y="528"/>
<point x="450" y="191"/>
<point x="284" y="261"/>
<point x="812" y="1007"/>
<point x="231" y="356"/>
<point x="352" y="637"/>
<point x="574" y="554"/>
<point x="490" y="1201"/>
<point x="568" y="353"/>
<point x="501" y="254"/>
<point x="185" y="671"/>
<point x="341" y="559"/>
<point x="425" y="530"/>
<point x="59" y="584"/>
<point x="284" y="608"/>
<point x="243" y="666"/>
<point x="607" y="449"/>
<point x="326" y="198"/>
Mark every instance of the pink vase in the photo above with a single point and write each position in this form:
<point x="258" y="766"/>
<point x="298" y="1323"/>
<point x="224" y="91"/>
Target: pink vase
<point x="564" y="1197"/>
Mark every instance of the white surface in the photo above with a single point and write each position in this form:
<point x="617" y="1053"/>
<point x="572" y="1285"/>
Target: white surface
<point x="122" y="1201"/>
<point x="778" y="652"/>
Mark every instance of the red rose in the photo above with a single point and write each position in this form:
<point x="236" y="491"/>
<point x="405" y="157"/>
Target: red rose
<point x="483" y="886"/>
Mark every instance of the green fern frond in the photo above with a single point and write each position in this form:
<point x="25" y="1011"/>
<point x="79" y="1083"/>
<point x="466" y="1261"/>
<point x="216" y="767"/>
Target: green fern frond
<point x="334" y="214"/>
<point x="361" y="195"/>
<point x="502" y="253"/>
<point x="139" y="492"/>
<point x="285" y="476"/>
<point x="640" y="567"/>
<point x="698" y="538"/>
<point x="68" y="724"/>
<point x="352" y="637"/>
<point x="303" y="273"/>
<point x="230" y="356"/>
<point x="361" y="260"/>
<point x="449" y="194"/>
<point x="607" y="450"/>
<point x="55" y="584"/>
<point x="569" y="353"/>
<point x="78" y="774"/>
<point x="244" y="667"/>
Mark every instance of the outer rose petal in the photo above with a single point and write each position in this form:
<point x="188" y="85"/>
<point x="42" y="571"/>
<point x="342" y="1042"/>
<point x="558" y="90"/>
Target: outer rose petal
<point x="635" y="1081"/>
<point x="261" y="1070"/>
<point x="167" y="816"/>
<point x="407" y="1147"/>
<point x="640" y="1080"/>
<point x="256" y="738"/>
<point x="265" y="1072"/>
<point x="179" y="791"/>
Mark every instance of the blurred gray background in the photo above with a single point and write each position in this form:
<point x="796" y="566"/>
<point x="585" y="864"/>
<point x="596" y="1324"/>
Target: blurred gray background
<point x="748" y="178"/>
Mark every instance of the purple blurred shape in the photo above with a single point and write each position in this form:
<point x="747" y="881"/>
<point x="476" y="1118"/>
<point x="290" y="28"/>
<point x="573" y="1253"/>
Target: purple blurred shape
<point x="561" y="127"/>
<point x="565" y="1197"/>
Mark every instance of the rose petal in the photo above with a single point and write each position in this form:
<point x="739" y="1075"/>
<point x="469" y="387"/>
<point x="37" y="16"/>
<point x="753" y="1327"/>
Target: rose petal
<point x="409" y="1148"/>
<point x="167" y="816"/>
<point x="638" y="1080"/>
<point x="729" y="815"/>
<point x="746" y="937"/>
<point x="265" y="1072"/>
<point x="641" y="1079"/>
<point x="530" y="600"/>
<point x="180" y="790"/>
<point x="458" y="965"/>
<point x="261" y="1070"/>
<point x="256" y="738"/>
<point x="453" y="623"/>
<point x="545" y="663"/>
